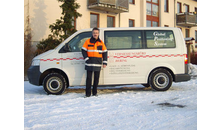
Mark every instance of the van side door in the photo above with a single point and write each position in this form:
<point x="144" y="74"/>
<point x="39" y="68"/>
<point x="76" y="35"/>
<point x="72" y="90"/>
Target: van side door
<point x="125" y="57"/>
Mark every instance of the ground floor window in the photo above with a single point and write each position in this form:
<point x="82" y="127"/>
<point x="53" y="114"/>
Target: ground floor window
<point x="150" y="23"/>
<point x="131" y="23"/>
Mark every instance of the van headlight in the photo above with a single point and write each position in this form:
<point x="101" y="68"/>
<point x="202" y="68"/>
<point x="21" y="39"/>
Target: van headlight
<point x="35" y="62"/>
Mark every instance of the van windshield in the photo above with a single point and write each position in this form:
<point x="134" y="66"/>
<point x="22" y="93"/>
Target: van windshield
<point x="77" y="42"/>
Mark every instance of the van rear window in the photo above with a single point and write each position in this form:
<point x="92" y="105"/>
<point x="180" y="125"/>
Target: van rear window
<point x="123" y="40"/>
<point x="160" y="39"/>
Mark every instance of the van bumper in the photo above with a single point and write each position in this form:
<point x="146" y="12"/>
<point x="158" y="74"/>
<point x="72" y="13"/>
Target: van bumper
<point x="34" y="75"/>
<point x="181" y="77"/>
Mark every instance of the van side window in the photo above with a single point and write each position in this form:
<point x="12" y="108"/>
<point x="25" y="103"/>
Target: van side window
<point x="160" y="39"/>
<point x="77" y="42"/>
<point x="123" y="40"/>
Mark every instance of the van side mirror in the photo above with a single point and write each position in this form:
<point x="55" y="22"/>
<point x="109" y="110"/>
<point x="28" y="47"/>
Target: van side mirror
<point x="65" y="48"/>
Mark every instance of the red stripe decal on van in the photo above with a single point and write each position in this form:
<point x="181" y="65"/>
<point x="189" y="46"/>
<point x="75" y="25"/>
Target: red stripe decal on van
<point x="55" y="59"/>
<point x="134" y="56"/>
<point x="150" y="56"/>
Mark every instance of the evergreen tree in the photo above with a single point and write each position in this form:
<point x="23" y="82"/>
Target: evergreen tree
<point x="63" y="27"/>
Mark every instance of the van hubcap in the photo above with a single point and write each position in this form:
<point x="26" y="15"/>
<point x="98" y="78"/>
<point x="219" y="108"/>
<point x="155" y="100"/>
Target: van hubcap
<point x="161" y="80"/>
<point x="54" y="84"/>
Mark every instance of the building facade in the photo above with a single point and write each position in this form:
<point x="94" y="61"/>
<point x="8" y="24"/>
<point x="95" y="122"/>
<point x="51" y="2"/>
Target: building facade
<point x="117" y="13"/>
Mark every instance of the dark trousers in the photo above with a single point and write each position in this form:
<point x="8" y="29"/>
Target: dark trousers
<point x="89" y="82"/>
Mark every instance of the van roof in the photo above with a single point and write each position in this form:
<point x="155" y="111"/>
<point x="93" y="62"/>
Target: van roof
<point x="132" y="28"/>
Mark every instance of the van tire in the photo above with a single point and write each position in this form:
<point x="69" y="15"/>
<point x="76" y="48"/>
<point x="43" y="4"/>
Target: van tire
<point x="160" y="79"/>
<point x="54" y="83"/>
<point x="146" y="85"/>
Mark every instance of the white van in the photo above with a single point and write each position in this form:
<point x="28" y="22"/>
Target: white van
<point x="154" y="56"/>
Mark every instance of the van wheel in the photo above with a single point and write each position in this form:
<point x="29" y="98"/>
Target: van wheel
<point x="146" y="85"/>
<point x="160" y="80"/>
<point x="54" y="83"/>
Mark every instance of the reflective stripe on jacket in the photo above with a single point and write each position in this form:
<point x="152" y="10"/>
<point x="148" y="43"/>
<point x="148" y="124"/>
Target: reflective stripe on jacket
<point x="94" y="51"/>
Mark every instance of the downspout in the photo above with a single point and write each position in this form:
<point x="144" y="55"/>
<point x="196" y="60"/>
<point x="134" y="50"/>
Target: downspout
<point x="119" y="19"/>
<point x="174" y="13"/>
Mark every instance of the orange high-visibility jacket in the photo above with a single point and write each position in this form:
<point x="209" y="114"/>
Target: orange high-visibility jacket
<point x="95" y="54"/>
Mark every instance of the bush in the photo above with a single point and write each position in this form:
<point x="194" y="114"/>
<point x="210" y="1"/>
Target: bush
<point x="47" y="44"/>
<point x="28" y="53"/>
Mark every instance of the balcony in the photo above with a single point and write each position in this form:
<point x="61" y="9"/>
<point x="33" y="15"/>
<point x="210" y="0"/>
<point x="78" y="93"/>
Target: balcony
<point x="113" y="6"/>
<point x="186" y="19"/>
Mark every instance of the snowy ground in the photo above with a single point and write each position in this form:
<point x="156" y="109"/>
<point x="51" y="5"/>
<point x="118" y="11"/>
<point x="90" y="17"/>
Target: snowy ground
<point x="130" y="107"/>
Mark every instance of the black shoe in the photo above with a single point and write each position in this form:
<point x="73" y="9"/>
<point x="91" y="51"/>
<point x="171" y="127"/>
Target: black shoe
<point x="86" y="96"/>
<point x="95" y="95"/>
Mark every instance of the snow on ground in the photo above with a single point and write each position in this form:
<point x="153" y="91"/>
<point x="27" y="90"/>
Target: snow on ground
<point x="130" y="107"/>
<point x="192" y="70"/>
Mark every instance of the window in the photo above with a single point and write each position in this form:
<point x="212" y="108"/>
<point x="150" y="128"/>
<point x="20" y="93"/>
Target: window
<point x="152" y="11"/>
<point x="131" y="23"/>
<point x="187" y="33"/>
<point x="155" y="1"/>
<point x="186" y="8"/>
<point x="155" y="10"/>
<point x="166" y="25"/>
<point x="131" y="1"/>
<point x="166" y="5"/>
<point x="75" y="44"/>
<point x="94" y="20"/>
<point x="152" y="23"/>
<point x="123" y="40"/>
<point x="155" y="24"/>
<point x="148" y="8"/>
<point x="110" y="21"/>
<point x="160" y="39"/>
<point x="196" y="38"/>
<point x="148" y="23"/>
<point x="195" y="10"/>
<point x="179" y="7"/>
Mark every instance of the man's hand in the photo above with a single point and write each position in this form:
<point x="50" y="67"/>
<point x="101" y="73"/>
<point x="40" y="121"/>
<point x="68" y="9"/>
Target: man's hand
<point x="104" y="66"/>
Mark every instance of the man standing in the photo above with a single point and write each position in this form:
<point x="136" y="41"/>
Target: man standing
<point x="94" y="51"/>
